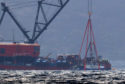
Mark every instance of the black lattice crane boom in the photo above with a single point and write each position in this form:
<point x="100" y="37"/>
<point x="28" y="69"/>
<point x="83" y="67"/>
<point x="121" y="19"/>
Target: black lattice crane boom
<point x="38" y="30"/>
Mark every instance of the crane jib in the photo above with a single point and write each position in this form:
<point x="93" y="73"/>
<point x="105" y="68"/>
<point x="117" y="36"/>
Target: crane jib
<point x="38" y="30"/>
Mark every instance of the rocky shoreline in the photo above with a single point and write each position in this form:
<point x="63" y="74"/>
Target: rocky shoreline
<point x="62" y="77"/>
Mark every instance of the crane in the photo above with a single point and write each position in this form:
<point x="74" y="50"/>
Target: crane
<point x="89" y="39"/>
<point x="28" y="52"/>
<point x="39" y="26"/>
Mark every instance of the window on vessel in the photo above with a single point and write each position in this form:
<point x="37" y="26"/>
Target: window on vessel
<point x="36" y="49"/>
<point x="2" y="51"/>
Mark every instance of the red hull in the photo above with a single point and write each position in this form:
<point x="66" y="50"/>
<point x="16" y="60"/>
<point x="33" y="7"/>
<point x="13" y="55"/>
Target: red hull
<point x="7" y="67"/>
<point x="10" y="67"/>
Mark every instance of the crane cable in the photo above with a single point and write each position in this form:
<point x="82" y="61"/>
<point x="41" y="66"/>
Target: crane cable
<point x="89" y="25"/>
<point x="90" y="7"/>
<point x="89" y="13"/>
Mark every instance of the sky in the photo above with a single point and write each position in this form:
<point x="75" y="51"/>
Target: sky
<point x="65" y="32"/>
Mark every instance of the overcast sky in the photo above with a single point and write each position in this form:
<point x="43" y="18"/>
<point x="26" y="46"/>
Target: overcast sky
<point x="65" y="33"/>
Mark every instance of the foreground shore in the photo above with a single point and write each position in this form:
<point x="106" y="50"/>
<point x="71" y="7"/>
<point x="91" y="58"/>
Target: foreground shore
<point x="63" y="77"/>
